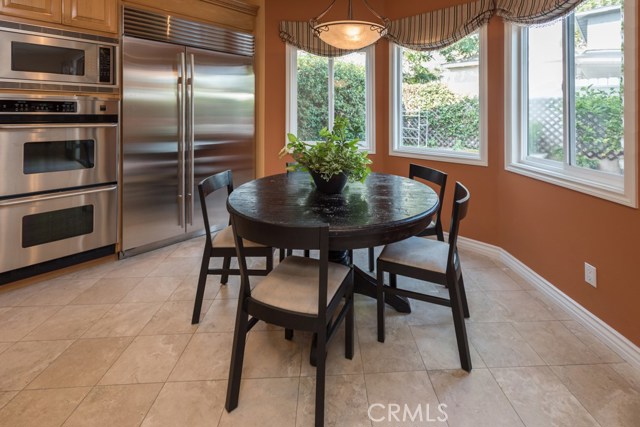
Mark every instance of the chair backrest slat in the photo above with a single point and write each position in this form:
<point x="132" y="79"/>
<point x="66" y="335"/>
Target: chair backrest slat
<point x="460" y="206"/>
<point x="436" y="177"/>
<point x="210" y="185"/>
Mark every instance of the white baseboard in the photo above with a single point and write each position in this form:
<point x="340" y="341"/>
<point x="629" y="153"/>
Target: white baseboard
<point x="618" y="343"/>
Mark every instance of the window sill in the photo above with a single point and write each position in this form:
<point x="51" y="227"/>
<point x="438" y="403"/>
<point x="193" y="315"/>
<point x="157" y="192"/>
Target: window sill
<point x="596" y="189"/>
<point x="471" y="159"/>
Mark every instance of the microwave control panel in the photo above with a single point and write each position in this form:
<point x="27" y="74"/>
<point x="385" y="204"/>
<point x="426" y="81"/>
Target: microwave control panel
<point x="105" y="64"/>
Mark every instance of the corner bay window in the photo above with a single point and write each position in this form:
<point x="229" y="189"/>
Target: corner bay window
<point x="571" y="106"/>
<point x="438" y="98"/>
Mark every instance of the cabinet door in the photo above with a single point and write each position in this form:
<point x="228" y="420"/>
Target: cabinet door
<point x="99" y="15"/>
<point x="41" y="10"/>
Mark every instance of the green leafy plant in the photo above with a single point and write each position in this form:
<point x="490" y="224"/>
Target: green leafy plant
<point x="335" y="154"/>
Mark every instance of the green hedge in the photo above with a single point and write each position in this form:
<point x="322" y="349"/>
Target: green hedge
<point x="313" y="102"/>
<point x="453" y="120"/>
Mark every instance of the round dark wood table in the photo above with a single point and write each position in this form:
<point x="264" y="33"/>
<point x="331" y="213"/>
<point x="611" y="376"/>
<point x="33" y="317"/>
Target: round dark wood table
<point x="384" y="209"/>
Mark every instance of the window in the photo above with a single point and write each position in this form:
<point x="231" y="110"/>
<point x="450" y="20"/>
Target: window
<point x="437" y="106"/>
<point x="319" y="89"/>
<point x="571" y="104"/>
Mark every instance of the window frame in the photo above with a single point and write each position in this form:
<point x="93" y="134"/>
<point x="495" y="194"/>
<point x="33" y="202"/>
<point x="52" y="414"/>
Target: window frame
<point x="618" y="189"/>
<point x="292" y="98"/>
<point x="395" y="102"/>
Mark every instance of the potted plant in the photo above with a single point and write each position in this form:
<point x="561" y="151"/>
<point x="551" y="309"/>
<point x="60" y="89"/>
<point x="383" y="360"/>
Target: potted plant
<point x="331" y="162"/>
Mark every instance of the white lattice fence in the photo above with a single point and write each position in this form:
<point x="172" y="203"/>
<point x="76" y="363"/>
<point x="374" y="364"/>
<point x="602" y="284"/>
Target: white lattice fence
<point x="546" y="131"/>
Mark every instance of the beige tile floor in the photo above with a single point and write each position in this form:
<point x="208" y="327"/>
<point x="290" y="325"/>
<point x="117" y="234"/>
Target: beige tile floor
<point x="111" y="344"/>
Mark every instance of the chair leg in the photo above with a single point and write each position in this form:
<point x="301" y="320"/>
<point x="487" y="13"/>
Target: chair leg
<point x="463" y="297"/>
<point x="393" y="280"/>
<point x="288" y="334"/>
<point x="371" y="260"/>
<point x="237" y="359"/>
<point x="307" y="253"/>
<point x="320" y="375"/>
<point x="380" y="304"/>
<point x="281" y="254"/>
<point x="458" y="322"/>
<point x="348" y="325"/>
<point x="226" y="265"/>
<point x="269" y="262"/>
<point x="289" y="252"/>
<point x="202" y="282"/>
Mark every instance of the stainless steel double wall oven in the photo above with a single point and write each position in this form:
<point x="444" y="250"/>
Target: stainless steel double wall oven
<point x="58" y="153"/>
<point x="59" y="162"/>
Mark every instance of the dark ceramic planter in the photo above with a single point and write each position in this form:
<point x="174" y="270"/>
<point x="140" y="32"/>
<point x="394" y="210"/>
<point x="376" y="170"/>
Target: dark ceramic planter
<point x="335" y="185"/>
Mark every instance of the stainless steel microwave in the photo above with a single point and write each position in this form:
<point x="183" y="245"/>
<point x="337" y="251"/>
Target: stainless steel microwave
<point x="42" y="58"/>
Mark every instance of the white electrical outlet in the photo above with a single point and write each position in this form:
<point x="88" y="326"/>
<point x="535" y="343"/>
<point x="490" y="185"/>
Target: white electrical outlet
<point x="590" y="274"/>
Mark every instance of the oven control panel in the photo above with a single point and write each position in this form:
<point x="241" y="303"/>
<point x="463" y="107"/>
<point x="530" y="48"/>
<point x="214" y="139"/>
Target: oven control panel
<point x="24" y="106"/>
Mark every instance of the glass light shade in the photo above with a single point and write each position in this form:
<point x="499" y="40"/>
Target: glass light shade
<point x="349" y="35"/>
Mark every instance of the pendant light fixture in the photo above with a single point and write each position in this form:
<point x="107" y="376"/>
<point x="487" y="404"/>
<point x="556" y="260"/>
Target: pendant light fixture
<point x="349" y="34"/>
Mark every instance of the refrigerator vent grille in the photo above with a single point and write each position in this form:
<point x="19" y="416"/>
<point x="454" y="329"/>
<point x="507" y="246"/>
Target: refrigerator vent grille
<point x="167" y="28"/>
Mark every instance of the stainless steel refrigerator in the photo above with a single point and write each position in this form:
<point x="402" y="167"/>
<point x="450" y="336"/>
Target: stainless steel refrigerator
<point x="187" y="113"/>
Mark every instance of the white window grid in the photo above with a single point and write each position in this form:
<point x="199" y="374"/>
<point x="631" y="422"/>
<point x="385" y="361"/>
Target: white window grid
<point x="619" y="189"/>
<point x="292" y="98"/>
<point x="395" y="109"/>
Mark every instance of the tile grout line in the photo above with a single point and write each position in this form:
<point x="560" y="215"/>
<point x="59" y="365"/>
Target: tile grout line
<point x="179" y="357"/>
<point x="572" y="394"/>
<point x="507" y="397"/>
<point x="587" y="345"/>
<point x="526" y="341"/>
<point x="146" y="414"/>
<point x="364" y="374"/>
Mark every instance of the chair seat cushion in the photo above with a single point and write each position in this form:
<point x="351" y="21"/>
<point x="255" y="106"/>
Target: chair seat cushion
<point x="426" y="254"/>
<point x="224" y="239"/>
<point x="293" y="284"/>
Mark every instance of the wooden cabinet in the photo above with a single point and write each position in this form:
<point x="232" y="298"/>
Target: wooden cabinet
<point x="95" y="15"/>
<point x="41" y="10"/>
<point x="99" y="15"/>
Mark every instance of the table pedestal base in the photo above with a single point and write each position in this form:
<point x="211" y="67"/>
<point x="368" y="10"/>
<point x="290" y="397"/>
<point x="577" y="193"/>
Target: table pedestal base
<point x="365" y="284"/>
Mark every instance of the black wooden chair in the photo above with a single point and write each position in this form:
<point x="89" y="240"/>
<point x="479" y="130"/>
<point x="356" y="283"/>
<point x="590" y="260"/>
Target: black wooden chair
<point x="222" y="244"/>
<point x="438" y="178"/>
<point x="300" y="293"/>
<point x="432" y="261"/>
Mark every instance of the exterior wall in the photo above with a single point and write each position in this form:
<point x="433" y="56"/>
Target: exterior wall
<point x="551" y="229"/>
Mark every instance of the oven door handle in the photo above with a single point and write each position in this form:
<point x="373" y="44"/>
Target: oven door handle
<point x="29" y="199"/>
<point x="58" y="125"/>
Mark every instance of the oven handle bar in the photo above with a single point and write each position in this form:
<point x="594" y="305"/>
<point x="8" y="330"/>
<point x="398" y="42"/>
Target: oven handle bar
<point x="30" y="199"/>
<point x="59" y="125"/>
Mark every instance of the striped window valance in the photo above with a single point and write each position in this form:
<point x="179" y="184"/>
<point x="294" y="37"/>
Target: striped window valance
<point x="534" y="11"/>
<point x="442" y="27"/>
<point x="439" y="28"/>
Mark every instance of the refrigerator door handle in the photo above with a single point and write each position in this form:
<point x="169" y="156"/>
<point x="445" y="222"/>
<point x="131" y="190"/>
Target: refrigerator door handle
<point x="190" y="138"/>
<point x="181" y="139"/>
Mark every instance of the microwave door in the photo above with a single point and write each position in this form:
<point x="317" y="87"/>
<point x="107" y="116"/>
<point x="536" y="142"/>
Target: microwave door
<point x="29" y="57"/>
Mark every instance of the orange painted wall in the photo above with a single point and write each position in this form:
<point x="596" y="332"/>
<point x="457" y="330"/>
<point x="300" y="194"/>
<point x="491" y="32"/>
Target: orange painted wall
<point x="550" y="229"/>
